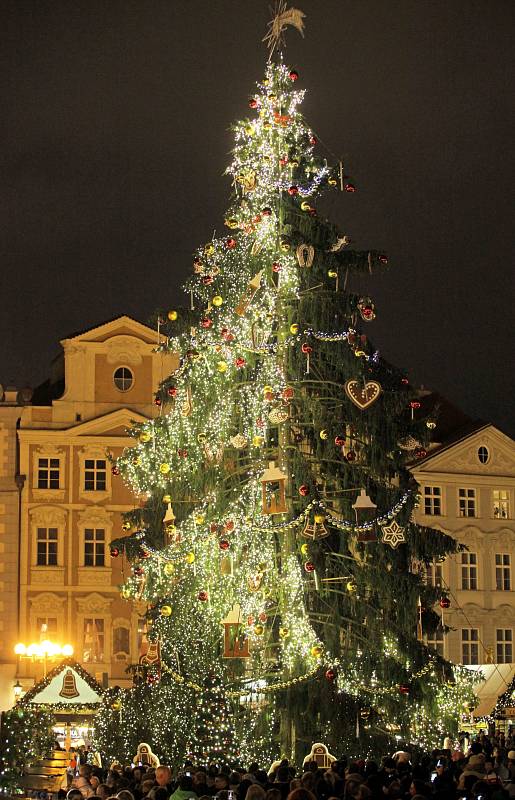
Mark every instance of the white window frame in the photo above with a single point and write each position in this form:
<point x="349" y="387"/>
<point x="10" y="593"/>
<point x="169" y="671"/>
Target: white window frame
<point x="469" y="572"/>
<point x="48" y="452"/>
<point x="502" y="571"/>
<point x="99" y="545"/>
<point x="96" y="518"/>
<point x="500" y="502"/>
<point x="430" y="496"/>
<point x="119" y="656"/>
<point x="504" y="645"/>
<point x="47" y="517"/>
<point x="95" y="606"/>
<point x="470" y="646"/>
<point x="133" y="381"/>
<point x="93" y="453"/>
<point x="467" y="498"/>
<point x="434" y="574"/>
<point x="52" y="536"/>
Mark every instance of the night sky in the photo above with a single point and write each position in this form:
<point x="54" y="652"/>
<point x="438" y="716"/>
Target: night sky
<point x="114" y="140"/>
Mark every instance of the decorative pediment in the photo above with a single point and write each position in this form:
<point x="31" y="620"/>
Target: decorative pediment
<point x="96" y="515"/>
<point x="100" y="426"/>
<point x="125" y="350"/>
<point x="93" y="603"/>
<point x="49" y="450"/>
<point x="497" y="452"/>
<point x="48" y="516"/>
<point x="121" y="326"/>
<point x="47" y="603"/>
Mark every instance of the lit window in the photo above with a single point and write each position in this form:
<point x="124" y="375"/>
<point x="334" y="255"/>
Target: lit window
<point x="46" y="628"/>
<point x="123" y="379"/>
<point x="502" y="572"/>
<point x="142" y="635"/>
<point x="94" y="547"/>
<point x="483" y="455"/>
<point x="504" y="646"/>
<point x="121" y="647"/>
<point x="467" y="502"/>
<point x="434" y="574"/>
<point x="48" y="473"/>
<point x="469" y="571"/>
<point x="46" y="555"/>
<point x="469" y="646"/>
<point x="95" y="471"/>
<point x="501" y="503"/>
<point x="94" y="640"/>
<point x="432" y="500"/>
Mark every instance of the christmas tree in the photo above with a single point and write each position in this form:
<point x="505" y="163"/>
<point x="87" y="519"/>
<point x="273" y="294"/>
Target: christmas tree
<point x="275" y="550"/>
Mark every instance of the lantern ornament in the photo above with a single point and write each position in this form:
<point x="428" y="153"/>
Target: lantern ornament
<point x="316" y="529"/>
<point x="365" y="510"/>
<point x="273" y="483"/>
<point x="236" y="643"/>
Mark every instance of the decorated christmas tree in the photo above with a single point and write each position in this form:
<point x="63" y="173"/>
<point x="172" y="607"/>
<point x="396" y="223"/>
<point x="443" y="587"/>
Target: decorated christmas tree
<point x="274" y="549"/>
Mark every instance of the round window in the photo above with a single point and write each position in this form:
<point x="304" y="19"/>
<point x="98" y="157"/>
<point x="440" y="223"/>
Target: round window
<point x="483" y="454"/>
<point x="123" y="379"/>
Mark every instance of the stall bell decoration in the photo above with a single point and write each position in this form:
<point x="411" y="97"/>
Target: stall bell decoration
<point x="151" y="661"/>
<point x="315" y="529"/>
<point x="236" y="643"/>
<point x="69" y="688"/>
<point x="365" y="511"/>
<point x="273" y="483"/>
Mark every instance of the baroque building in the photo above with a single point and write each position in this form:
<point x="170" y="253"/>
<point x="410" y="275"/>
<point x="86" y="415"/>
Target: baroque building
<point x="61" y="505"/>
<point x="467" y="490"/>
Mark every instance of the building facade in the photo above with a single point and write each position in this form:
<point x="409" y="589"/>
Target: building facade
<point x="64" y="505"/>
<point x="467" y="490"/>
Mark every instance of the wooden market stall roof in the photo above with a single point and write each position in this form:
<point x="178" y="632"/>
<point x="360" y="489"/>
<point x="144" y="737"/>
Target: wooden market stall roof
<point x="68" y="687"/>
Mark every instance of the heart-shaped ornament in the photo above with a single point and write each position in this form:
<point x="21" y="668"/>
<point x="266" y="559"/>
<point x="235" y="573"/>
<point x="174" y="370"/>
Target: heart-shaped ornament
<point x="362" y="395"/>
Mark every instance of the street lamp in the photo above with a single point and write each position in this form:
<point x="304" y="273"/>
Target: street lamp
<point x="18" y="690"/>
<point x="43" y="651"/>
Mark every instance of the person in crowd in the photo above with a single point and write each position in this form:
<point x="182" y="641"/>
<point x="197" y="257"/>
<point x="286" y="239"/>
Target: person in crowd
<point x="81" y="781"/>
<point x="185" y="789"/>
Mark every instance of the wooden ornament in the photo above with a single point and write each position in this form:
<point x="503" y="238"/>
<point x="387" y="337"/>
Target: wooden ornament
<point x="362" y="395"/>
<point x="305" y="255"/>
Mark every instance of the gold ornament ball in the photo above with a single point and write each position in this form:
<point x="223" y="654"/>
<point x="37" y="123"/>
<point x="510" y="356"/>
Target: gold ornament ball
<point x="137" y="462"/>
<point x="217" y="300"/>
<point x="351" y="586"/>
<point x="168" y="569"/>
<point x="222" y="366"/>
<point x="323" y="434"/>
<point x="172" y="315"/>
<point x="125" y="593"/>
<point x="164" y="469"/>
<point x="431" y="424"/>
<point x="189" y="558"/>
<point x="126" y="526"/>
<point x="294" y="329"/>
<point x="116" y="705"/>
<point x="167" y="498"/>
<point x="209" y="249"/>
<point x="249" y="130"/>
<point x="166" y="611"/>
<point x="319" y="518"/>
<point x="144" y="437"/>
<point x="201" y="438"/>
<point x="259" y="630"/>
<point x="257" y="441"/>
<point x="267" y="389"/>
<point x="316" y="651"/>
<point x="304" y="549"/>
<point x="332" y="273"/>
<point x="200" y="519"/>
<point x="267" y="125"/>
<point x="231" y="223"/>
<point x="305" y="206"/>
<point x="284" y="632"/>
<point x="285" y="247"/>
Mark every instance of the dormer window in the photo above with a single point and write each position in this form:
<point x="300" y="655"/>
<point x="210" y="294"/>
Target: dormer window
<point x="123" y="379"/>
<point x="483" y="455"/>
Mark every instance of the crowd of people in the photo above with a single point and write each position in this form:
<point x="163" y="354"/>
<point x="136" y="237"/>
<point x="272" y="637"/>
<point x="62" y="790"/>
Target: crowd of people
<point x="485" y="771"/>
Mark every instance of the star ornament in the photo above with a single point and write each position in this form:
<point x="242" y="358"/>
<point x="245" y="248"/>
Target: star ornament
<point x="393" y="534"/>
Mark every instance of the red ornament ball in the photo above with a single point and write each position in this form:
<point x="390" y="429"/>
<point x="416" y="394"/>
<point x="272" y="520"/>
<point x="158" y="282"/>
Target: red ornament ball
<point x="214" y="527"/>
<point x="203" y="595"/>
<point x="339" y="441"/>
<point x="403" y="688"/>
<point x="138" y="570"/>
<point x="157" y="401"/>
<point x="367" y="312"/>
<point x="313" y="140"/>
<point x="304" y="490"/>
<point x="115" y="552"/>
<point x="293" y="75"/>
<point x="383" y="259"/>
<point x="253" y="103"/>
<point x="287" y="393"/>
<point x="276" y="267"/>
<point x="230" y="243"/>
<point x="293" y="190"/>
<point x="206" y="322"/>
<point x="229" y="525"/>
<point x="240" y="362"/>
<point x="223" y="544"/>
<point x="350" y="187"/>
<point x="330" y="675"/>
<point x="207" y="280"/>
<point x="414" y="404"/>
<point x="263" y="617"/>
<point x="405" y="381"/>
<point x="182" y="453"/>
<point x="115" y="470"/>
<point x="227" y="335"/>
<point x="283" y="161"/>
<point x="420" y="452"/>
<point x="172" y="391"/>
<point x="309" y="566"/>
<point x="351" y="456"/>
<point x="445" y="602"/>
<point x="306" y="348"/>
<point x="266" y="211"/>
<point x="269" y="396"/>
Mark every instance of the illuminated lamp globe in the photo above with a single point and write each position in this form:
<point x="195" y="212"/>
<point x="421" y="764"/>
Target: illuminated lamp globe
<point x="67" y="650"/>
<point x="172" y="315"/>
<point x="20" y="649"/>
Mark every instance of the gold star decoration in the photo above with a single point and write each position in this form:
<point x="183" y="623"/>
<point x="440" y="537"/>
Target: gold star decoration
<point x="393" y="534"/>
